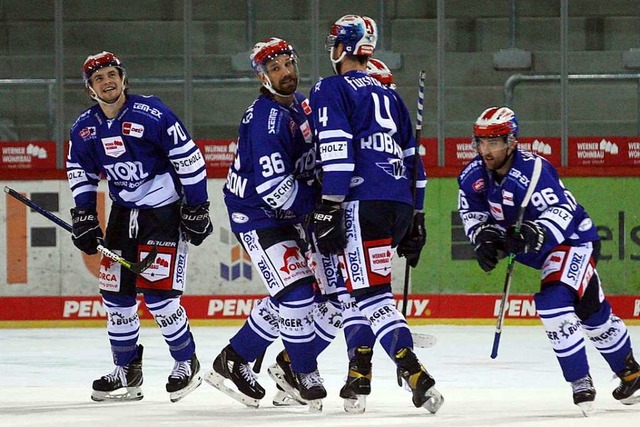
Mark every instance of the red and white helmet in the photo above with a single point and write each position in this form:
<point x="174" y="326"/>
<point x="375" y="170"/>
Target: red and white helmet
<point x="379" y="71"/>
<point x="496" y="121"/>
<point x="100" y="60"/>
<point x="358" y="35"/>
<point x="267" y="50"/>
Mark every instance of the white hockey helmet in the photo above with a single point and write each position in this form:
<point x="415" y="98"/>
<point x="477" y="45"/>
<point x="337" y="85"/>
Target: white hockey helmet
<point x="495" y="122"/>
<point x="358" y="34"/>
<point x="267" y="50"/>
<point x="379" y="70"/>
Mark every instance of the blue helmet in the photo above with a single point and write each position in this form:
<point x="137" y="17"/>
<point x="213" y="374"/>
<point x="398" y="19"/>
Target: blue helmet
<point x="358" y="35"/>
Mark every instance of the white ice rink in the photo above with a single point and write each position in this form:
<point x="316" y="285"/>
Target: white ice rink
<point x="46" y="375"/>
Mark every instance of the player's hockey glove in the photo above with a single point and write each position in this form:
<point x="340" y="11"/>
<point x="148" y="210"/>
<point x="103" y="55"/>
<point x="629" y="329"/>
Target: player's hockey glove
<point x="488" y="244"/>
<point x="328" y="227"/>
<point x="414" y="240"/>
<point x="195" y="222"/>
<point x="529" y="239"/>
<point x="86" y="232"/>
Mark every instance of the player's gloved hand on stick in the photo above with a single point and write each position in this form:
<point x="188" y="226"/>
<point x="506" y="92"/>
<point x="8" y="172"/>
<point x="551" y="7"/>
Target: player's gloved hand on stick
<point x="489" y="240"/>
<point x="414" y="240"/>
<point x="528" y="239"/>
<point x="86" y="231"/>
<point x="195" y="222"/>
<point x="328" y="227"/>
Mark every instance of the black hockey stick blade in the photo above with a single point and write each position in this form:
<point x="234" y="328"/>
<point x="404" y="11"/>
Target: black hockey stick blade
<point x="136" y="267"/>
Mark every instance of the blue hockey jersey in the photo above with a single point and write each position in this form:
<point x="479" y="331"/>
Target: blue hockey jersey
<point x="365" y="140"/>
<point x="146" y="154"/>
<point x="269" y="183"/>
<point x="481" y="199"/>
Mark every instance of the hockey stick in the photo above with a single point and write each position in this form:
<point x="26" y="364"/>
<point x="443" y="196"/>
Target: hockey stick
<point x="136" y="267"/>
<point x="535" y="176"/>
<point x="416" y="159"/>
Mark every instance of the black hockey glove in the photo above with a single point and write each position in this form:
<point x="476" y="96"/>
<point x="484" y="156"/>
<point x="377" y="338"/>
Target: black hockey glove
<point x="195" y="223"/>
<point x="414" y="240"/>
<point x="328" y="227"/>
<point x="529" y="239"/>
<point x="489" y="241"/>
<point x="86" y="230"/>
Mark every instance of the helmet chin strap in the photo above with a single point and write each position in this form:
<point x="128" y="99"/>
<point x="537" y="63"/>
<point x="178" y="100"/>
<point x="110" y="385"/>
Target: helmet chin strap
<point x="336" y="62"/>
<point x="506" y="158"/>
<point x="101" y="101"/>
<point x="269" y="86"/>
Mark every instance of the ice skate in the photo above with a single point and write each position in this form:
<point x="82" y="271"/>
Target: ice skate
<point x="419" y="381"/>
<point x="627" y="392"/>
<point x="230" y="365"/>
<point x="584" y="395"/>
<point x="185" y="377"/>
<point x="122" y="384"/>
<point x="358" y="384"/>
<point x="286" y="381"/>
<point x="282" y="398"/>
<point x="304" y="388"/>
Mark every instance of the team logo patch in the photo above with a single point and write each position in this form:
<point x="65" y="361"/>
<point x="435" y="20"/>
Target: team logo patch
<point x="478" y="186"/>
<point x="88" y="132"/>
<point x="380" y="260"/>
<point x="132" y="129"/>
<point x="113" y="146"/>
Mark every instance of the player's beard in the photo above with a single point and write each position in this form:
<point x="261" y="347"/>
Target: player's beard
<point x="287" y="85"/>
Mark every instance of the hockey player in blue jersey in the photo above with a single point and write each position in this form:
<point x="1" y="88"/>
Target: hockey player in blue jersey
<point x="158" y="189"/>
<point x="556" y="237"/>
<point x="366" y="149"/>
<point x="268" y="194"/>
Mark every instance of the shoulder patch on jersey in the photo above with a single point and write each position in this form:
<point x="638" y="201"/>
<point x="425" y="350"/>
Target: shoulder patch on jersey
<point x="479" y="185"/>
<point x="87" y="133"/>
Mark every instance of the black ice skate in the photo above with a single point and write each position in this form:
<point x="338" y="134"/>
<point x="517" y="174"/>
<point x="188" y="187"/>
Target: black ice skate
<point x="122" y="384"/>
<point x="627" y="391"/>
<point x="584" y="395"/>
<point x="282" y="397"/>
<point x="304" y="388"/>
<point x="185" y="377"/>
<point x="419" y="381"/>
<point x="358" y="384"/>
<point x="230" y="365"/>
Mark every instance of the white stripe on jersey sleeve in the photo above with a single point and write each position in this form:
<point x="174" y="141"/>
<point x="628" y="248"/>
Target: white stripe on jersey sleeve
<point x="342" y="167"/>
<point x="335" y="133"/>
<point x="186" y="147"/>
<point x="194" y="179"/>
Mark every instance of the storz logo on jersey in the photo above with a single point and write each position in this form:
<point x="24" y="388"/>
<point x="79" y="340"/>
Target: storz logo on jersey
<point x="113" y="146"/>
<point x="132" y="129"/>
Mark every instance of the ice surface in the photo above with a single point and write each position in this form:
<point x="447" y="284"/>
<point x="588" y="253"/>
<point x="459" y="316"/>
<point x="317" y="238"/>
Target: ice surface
<point x="46" y="376"/>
